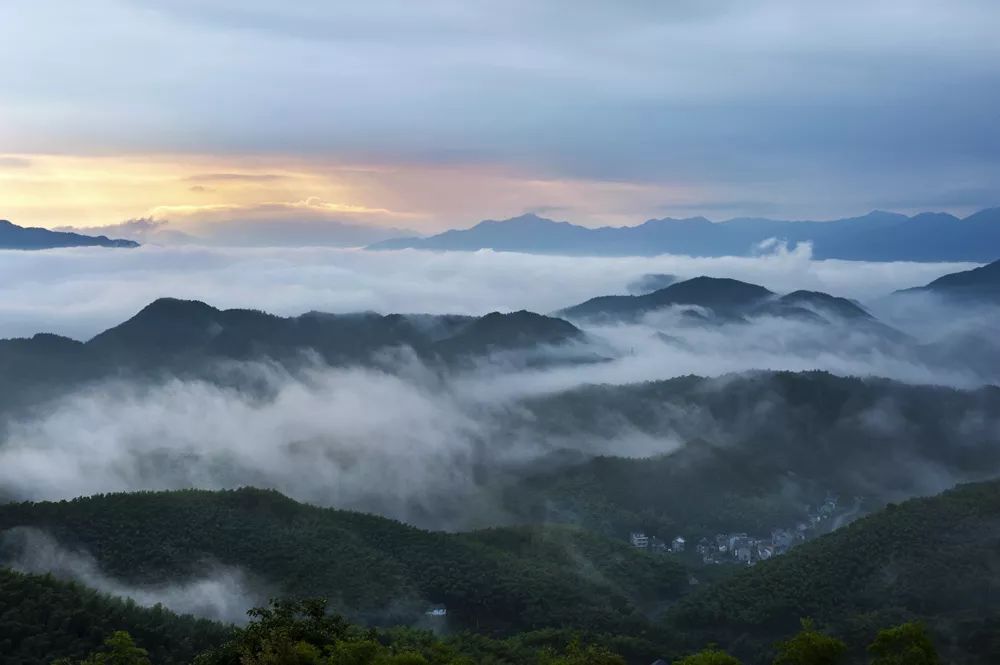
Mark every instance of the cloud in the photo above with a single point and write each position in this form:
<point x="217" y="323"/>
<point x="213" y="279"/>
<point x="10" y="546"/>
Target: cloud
<point x="141" y="229"/>
<point x="311" y="206"/>
<point x="82" y="291"/>
<point x="310" y="223"/>
<point x="235" y="177"/>
<point x="7" y="162"/>
<point x="804" y="110"/>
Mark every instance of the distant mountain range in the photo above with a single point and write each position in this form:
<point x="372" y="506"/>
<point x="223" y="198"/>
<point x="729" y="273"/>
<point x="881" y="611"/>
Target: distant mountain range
<point x="13" y="236"/>
<point x="877" y="236"/>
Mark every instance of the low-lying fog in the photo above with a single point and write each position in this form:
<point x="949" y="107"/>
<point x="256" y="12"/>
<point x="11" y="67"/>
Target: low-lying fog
<point x="79" y="292"/>
<point x="402" y="440"/>
<point x="221" y="593"/>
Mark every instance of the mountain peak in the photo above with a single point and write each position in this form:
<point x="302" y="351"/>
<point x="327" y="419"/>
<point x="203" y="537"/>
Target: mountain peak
<point x="521" y="329"/>
<point x="675" y="220"/>
<point x="723" y="295"/>
<point x="527" y="219"/>
<point x="175" y="308"/>
<point x="842" y="307"/>
<point x="712" y="291"/>
<point x="165" y="323"/>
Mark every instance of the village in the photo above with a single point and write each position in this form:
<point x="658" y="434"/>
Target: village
<point x="743" y="548"/>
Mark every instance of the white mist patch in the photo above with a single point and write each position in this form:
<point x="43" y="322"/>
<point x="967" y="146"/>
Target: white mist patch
<point x="221" y="594"/>
<point x="79" y="292"/>
<point x="351" y="438"/>
<point x="663" y="347"/>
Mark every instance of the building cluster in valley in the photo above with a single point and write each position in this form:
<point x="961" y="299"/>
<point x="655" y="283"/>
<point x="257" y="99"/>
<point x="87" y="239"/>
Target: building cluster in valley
<point x="742" y="548"/>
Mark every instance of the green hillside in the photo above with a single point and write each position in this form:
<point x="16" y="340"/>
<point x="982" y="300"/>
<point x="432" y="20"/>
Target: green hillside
<point x="42" y="619"/>
<point x="752" y="452"/>
<point x="373" y="569"/>
<point x="935" y="559"/>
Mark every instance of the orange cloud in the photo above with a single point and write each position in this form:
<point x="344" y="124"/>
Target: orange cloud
<point x="194" y="190"/>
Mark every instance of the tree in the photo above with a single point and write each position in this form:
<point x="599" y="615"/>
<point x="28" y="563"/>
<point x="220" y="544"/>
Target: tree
<point x="710" y="656"/>
<point x="578" y="655"/>
<point x="908" y="644"/>
<point x="119" y="649"/>
<point x="810" y="647"/>
<point x="303" y="633"/>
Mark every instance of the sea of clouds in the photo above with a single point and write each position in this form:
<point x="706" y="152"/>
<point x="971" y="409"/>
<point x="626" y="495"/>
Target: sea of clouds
<point x="80" y="291"/>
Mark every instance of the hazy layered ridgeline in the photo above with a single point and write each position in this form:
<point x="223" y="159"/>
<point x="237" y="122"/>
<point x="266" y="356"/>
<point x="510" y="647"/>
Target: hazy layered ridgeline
<point x="877" y="236"/>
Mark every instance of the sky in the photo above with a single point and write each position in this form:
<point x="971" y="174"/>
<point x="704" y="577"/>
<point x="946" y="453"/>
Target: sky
<point x="423" y="116"/>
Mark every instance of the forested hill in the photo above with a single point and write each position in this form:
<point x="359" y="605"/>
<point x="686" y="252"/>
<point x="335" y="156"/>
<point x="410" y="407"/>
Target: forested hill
<point x="749" y="452"/>
<point x="371" y="568"/>
<point x="189" y="338"/>
<point x="42" y="619"/>
<point x="935" y="559"/>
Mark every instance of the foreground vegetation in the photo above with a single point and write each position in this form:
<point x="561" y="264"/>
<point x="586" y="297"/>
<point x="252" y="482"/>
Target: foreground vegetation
<point x="375" y="570"/>
<point x="43" y="619"/>
<point x="927" y="562"/>
<point x="304" y="633"/>
<point x="932" y="560"/>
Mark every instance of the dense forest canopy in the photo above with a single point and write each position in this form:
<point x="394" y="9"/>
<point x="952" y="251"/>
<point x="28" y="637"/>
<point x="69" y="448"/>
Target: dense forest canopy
<point x="500" y="579"/>
<point x="928" y="561"/>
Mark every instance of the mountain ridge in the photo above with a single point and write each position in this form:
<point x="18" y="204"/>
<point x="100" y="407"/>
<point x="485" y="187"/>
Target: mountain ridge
<point x="13" y="236"/>
<point x="982" y="283"/>
<point x="191" y="338"/>
<point x="875" y="236"/>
